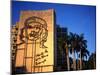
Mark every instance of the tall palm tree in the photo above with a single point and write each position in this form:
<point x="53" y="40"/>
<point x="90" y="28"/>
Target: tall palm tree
<point x="73" y="44"/>
<point x="67" y="48"/>
<point x="82" y="45"/>
<point x="92" y="61"/>
<point x="84" y="54"/>
<point x="67" y="56"/>
<point x="77" y="49"/>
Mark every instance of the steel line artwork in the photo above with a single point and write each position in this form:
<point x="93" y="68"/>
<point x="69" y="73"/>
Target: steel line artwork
<point x="38" y="27"/>
<point x="35" y="30"/>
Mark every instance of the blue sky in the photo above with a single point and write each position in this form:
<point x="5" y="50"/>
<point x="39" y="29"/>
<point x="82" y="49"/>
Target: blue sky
<point x="77" y="18"/>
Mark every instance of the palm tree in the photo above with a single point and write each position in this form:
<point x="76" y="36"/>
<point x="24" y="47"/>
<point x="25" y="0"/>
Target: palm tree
<point x="82" y="45"/>
<point x="67" y="48"/>
<point x="73" y="43"/>
<point x="67" y="55"/>
<point x="84" y="53"/>
<point x="77" y="49"/>
<point x="92" y="61"/>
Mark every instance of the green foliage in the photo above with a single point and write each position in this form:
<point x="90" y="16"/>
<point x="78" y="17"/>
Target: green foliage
<point x="77" y="43"/>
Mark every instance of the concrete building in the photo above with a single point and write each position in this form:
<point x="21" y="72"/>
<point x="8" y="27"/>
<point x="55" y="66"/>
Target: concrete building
<point x="34" y="42"/>
<point x="61" y="36"/>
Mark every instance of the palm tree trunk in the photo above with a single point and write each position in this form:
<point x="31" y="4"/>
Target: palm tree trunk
<point x="77" y="64"/>
<point x="94" y="62"/>
<point x="74" y="59"/>
<point x="80" y="61"/>
<point x="94" y="65"/>
<point x="68" y="63"/>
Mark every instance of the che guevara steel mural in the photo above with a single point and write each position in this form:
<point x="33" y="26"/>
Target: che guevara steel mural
<point x="35" y="28"/>
<point x="38" y="30"/>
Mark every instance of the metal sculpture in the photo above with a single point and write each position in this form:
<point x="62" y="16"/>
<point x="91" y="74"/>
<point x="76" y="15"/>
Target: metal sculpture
<point x="37" y="30"/>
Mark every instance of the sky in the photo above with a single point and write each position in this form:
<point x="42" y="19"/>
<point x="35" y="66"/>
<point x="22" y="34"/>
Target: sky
<point x="77" y="18"/>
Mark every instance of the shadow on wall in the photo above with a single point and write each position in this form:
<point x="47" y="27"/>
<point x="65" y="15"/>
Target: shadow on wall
<point x="20" y="70"/>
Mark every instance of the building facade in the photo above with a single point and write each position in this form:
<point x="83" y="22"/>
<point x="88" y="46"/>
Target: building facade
<point x="34" y="42"/>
